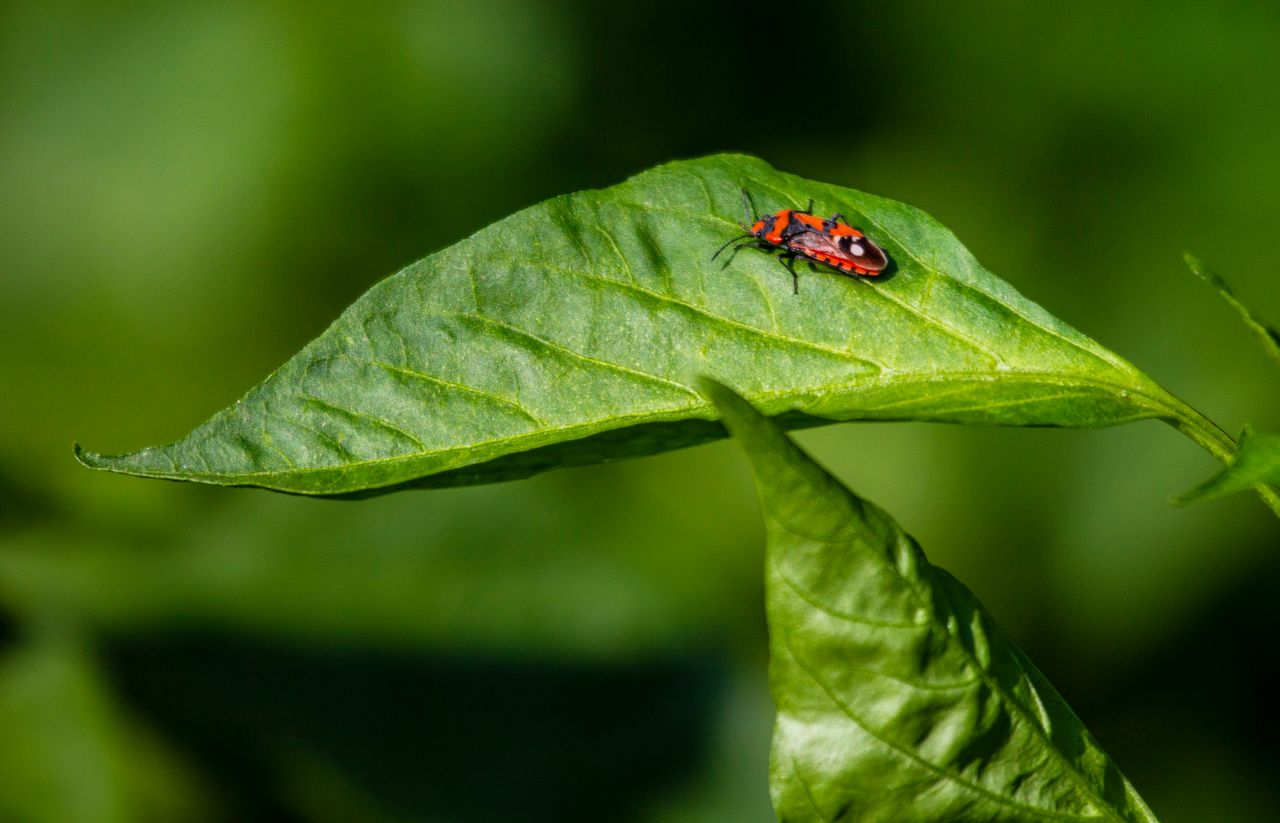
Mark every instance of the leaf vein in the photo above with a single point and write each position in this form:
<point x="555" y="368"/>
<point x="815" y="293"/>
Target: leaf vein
<point x="808" y="793"/>
<point x="334" y="443"/>
<point x="915" y="757"/>
<point x="496" y="399"/>
<point x="343" y="411"/>
<point x="736" y="324"/>
<point x="808" y="597"/>
<point x="595" y="361"/>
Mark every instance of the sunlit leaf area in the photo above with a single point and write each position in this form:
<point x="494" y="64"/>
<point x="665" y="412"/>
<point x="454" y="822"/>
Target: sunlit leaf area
<point x="498" y="358"/>
<point x="898" y="696"/>
<point x="191" y="194"/>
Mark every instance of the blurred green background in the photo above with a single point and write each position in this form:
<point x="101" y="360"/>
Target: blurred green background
<point x="191" y="191"/>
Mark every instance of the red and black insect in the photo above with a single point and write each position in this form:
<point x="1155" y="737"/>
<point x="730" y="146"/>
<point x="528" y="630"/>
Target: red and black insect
<point x="798" y="233"/>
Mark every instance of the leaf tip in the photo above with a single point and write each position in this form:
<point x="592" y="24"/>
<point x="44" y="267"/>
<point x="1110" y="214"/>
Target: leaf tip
<point x="1199" y="269"/>
<point x="88" y="459"/>
<point x="1221" y="484"/>
<point x="1210" y="489"/>
<point x="94" y="460"/>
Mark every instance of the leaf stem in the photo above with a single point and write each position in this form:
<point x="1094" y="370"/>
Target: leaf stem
<point x="1213" y="439"/>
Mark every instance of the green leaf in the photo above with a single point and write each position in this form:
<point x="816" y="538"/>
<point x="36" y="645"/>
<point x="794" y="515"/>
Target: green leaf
<point x="898" y="697"/>
<point x="1257" y="462"/>
<point x="1267" y="335"/>
<point x="572" y="332"/>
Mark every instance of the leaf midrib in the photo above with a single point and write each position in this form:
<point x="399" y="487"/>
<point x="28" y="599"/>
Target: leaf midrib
<point x="1100" y="354"/>
<point x="1157" y="408"/>
<point x="1103" y="355"/>
<point x="880" y="290"/>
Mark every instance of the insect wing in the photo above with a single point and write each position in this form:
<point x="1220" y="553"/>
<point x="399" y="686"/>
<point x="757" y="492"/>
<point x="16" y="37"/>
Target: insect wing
<point x="822" y="248"/>
<point x="845" y="251"/>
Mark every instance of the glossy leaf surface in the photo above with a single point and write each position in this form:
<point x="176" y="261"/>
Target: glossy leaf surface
<point x="898" y="697"/>
<point x="573" y="332"/>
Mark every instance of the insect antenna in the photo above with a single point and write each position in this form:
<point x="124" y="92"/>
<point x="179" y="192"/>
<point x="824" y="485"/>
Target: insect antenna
<point x="730" y="243"/>
<point x="739" y="248"/>
<point x="746" y="204"/>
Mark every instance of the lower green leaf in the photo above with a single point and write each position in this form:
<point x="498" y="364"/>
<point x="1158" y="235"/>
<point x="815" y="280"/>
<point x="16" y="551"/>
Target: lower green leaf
<point x="1256" y="462"/>
<point x="898" y="697"/>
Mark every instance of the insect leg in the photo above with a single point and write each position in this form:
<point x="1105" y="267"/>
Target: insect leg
<point x="788" y="261"/>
